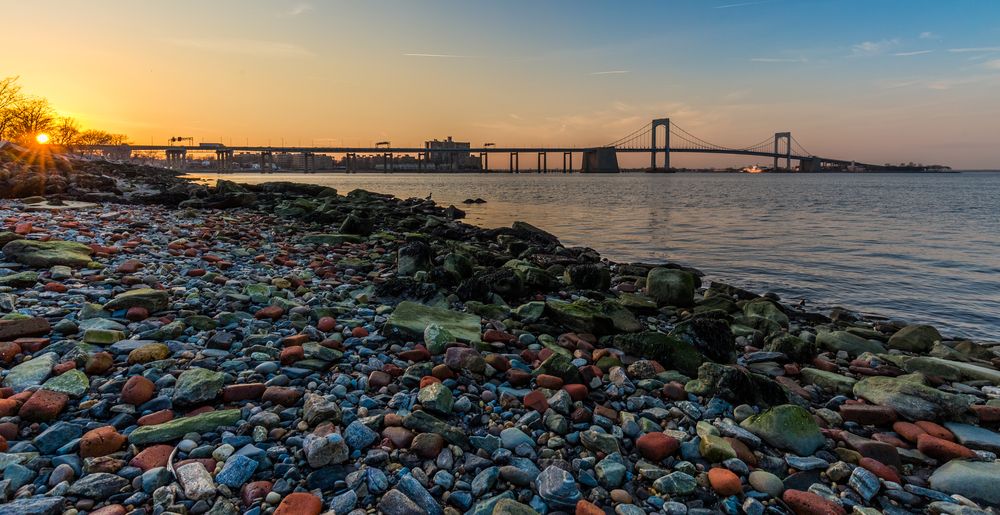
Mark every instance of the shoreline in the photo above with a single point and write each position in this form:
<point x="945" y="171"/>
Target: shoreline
<point x="285" y="346"/>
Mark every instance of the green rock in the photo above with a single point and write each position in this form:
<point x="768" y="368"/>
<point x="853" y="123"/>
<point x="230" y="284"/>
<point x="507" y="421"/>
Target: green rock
<point x="715" y="449"/>
<point x="458" y="264"/>
<point x="411" y="319"/>
<point x="46" y="254"/>
<point x="636" y="302"/>
<point x="201" y="322"/>
<point x="512" y="507"/>
<point x="20" y="280"/>
<point x="531" y="311"/>
<point x="313" y="350"/>
<point x="598" y="318"/>
<point x="153" y="300"/>
<point x="915" y="338"/>
<point x="198" y="385"/>
<point x="560" y="366"/>
<point x="7" y="237"/>
<point x="177" y="428"/>
<point x="424" y="422"/>
<point x="73" y="382"/>
<point x="667" y="350"/>
<point x="102" y="336"/>
<point x="599" y="442"/>
<point x="965" y="370"/>
<point x="436" y="397"/>
<point x="828" y="380"/>
<point x="766" y="309"/>
<point x="676" y="483"/>
<point x="332" y="239"/>
<point x="847" y="342"/>
<point x="934" y="367"/>
<point x="31" y="372"/>
<point x="436" y="338"/>
<point x="671" y="287"/>
<point x="910" y="398"/>
<point x="787" y="427"/>
<point x="794" y="347"/>
<point x="488" y="311"/>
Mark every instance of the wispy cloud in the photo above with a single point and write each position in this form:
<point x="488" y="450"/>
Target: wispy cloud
<point x="941" y="84"/>
<point x="915" y="52"/>
<point x="445" y="56"/>
<point x="778" y="60"/>
<point x="255" y="47"/>
<point x="874" y="47"/>
<point x="611" y="72"/>
<point x="743" y="4"/>
<point x="975" y="49"/>
<point x="929" y="35"/>
<point x="299" y="8"/>
<point x="992" y="65"/>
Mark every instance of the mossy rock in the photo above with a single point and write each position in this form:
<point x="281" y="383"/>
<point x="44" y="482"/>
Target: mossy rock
<point x="177" y="428"/>
<point x="848" y="342"/>
<point x="586" y="316"/>
<point x="915" y="338"/>
<point x="787" y="427"/>
<point x="153" y="300"/>
<point x="671" y="287"/>
<point x="46" y="254"/>
<point x="669" y="351"/>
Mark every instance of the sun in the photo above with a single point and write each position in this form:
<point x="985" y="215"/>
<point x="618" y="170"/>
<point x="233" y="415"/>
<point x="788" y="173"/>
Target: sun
<point x="42" y="138"/>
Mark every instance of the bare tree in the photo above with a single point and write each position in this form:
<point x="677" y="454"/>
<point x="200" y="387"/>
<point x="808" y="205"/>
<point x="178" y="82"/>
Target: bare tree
<point x="65" y="132"/>
<point x="10" y="95"/>
<point x="32" y="115"/>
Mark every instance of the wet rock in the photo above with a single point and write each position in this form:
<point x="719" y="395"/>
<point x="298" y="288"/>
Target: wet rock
<point x="46" y="254"/>
<point x="787" y="427"/>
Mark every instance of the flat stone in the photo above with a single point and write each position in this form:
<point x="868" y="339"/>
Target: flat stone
<point x="31" y="372"/>
<point x="975" y="437"/>
<point x="179" y="427"/>
<point x="557" y="487"/>
<point x="33" y="506"/>
<point x="787" y="427"/>
<point x="46" y="254"/>
<point x="412" y="318"/>
<point x="910" y="399"/>
<point x="973" y="479"/>
<point x="98" y="486"/>
<point x="152" y="300"/>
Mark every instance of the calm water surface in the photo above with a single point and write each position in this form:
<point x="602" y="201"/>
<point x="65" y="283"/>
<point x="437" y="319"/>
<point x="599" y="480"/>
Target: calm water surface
<point x="923" y="248"/>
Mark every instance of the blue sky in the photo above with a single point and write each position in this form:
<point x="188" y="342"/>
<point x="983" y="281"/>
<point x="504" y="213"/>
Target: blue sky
<point x="869" y="80"/>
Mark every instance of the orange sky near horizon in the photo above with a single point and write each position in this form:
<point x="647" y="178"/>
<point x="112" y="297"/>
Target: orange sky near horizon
<point x="352" y="73"/>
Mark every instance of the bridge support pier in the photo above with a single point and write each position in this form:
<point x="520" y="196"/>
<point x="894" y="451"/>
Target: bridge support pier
<point x="484" y="161"/>
<point x="176" y="158"/>
<point x="655" y="149"/>
<point x="567" y="162"/>
<point x="267" y="161"/>
<point x="515" y="162"/>
<point x="543" y="162"/>
<point x="787" y="138"/>
<point x="387" y="162"/>
<point x="224" y="159"/>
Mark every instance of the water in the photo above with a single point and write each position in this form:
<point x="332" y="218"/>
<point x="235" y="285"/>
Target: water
<point x="923" y="248"/>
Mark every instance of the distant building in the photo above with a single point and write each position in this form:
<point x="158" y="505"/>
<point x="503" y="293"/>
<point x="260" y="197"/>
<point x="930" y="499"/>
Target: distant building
<point x="460" y="158"/>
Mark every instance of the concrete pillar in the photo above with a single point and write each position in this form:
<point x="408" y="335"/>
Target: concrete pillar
<point x="515" y="164"/>
<point x="655" y="148"/>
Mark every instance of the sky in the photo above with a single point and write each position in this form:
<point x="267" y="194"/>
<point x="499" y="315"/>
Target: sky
<point x="869" y="80"/>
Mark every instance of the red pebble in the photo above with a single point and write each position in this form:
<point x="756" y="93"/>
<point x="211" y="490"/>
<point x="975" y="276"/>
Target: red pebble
<point x="941" y="449"/>
<point x="881" y="470"/>
<point x="935" y="430"/>
<point x="536" y="400"/>
<point x="326" y="324"/>
<point x="657" y="446"/>
<point x="808" y="503"/>
<point x="359" y="332"/>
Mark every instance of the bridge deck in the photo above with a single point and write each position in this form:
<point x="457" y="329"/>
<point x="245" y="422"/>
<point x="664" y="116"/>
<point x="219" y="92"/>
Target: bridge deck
<point x="473" y="150"/>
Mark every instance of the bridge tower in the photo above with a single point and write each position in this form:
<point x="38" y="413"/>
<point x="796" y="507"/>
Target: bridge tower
<point x="787" y="138"/>
<point x="654" y="149"/>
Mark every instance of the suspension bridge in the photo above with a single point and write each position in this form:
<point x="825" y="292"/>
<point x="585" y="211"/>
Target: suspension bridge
<point x="660" y="139"/>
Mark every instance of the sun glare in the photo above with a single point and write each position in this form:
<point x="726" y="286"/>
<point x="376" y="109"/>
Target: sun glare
<point x="42" y="138"/>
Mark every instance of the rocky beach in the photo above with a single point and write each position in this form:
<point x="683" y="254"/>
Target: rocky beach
<point x="170" y="347"/>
